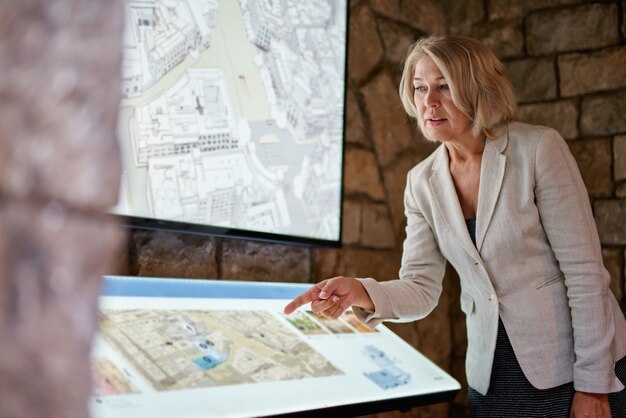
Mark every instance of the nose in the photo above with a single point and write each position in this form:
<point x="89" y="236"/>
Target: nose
<point x="431" y="99"/>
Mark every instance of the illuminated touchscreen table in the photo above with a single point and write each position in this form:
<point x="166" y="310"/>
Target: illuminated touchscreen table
<point x="204" y="348"/>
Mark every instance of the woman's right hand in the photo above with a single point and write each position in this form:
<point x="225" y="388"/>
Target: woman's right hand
<point x="332" y="297"/>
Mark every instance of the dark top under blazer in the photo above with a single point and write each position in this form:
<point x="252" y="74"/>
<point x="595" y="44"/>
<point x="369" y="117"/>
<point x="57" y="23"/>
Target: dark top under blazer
<point x="537" y="263"/>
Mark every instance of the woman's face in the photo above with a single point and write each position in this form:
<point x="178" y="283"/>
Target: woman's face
<point x="438" y="117"/>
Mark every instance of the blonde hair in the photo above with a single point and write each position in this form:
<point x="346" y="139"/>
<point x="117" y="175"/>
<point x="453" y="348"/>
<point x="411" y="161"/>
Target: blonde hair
<point x="477" y="79"/>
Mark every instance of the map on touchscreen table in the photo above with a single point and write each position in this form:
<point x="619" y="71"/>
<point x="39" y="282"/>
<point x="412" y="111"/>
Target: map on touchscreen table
<point x="183" y="349"/>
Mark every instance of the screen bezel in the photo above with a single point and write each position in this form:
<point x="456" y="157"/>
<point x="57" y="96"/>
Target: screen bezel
<point x="162" y="225"/>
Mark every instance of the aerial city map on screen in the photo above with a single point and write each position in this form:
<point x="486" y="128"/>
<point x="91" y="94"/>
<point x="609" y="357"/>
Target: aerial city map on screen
<point x="232" y="114"/>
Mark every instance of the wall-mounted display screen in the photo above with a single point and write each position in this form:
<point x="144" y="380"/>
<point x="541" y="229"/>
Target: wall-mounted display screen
<point x="232" y="117"/>
<point x="191" y="348"/>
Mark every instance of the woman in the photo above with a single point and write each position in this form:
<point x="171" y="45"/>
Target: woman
<point x="505" y="204"/>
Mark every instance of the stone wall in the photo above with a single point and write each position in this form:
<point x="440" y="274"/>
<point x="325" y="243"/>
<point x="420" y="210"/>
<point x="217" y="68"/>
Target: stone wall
<point x="566" y="61"/>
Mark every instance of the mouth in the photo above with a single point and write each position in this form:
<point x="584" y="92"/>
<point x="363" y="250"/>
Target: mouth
<point x="435" y="121"/>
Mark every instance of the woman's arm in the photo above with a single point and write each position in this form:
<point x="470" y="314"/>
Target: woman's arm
<point x="422" y="269"/>
<point x="412" y="297"/>
<point x="566" y="216"/>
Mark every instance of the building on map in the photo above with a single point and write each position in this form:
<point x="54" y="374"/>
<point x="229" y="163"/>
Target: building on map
<point x="169" y="30"/>
<point x="132" y="70"/>
<point x="266" y="21"/>
<point x="195" y="114"/>
<point x="144" y="12"/>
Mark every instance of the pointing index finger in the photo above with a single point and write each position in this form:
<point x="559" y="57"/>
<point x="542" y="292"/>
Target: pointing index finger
<point x="302" y="299"/>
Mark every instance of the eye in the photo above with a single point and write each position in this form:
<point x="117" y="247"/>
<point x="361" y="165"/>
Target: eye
<point x="444" y="87"/>
<point x="420" y="89"/>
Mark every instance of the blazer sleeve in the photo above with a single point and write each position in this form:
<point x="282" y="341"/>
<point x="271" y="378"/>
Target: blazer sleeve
<point x="422" y="269"/>
<point x="567" y="219"/>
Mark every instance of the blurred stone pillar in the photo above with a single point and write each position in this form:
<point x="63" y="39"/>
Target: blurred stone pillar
<point x="59" y="172"/>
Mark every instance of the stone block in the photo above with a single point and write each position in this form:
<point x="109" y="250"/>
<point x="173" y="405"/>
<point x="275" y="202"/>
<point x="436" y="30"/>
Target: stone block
<point x="351" y="222"/>
<point x="594" y="161"/>
<point x="461" y="16"/>
<point x="619" y="157"/>
<point x="503" y="37"/>
<point x="361" y="174"/>
<point x="461" y="402"/>
<point x="391" y="130"/>
<point x="122" y="266"/>
<point x="377" y="230"/>
<point x="620" y="190"/>
<point x="397" y="40"/>
<point x="624" y="18"/>
<point x="587" y="73"/>
<point x="365" y="49"/>
<point x="610" y="215"/>
<point x="355" y="127"/>
<point x="258" y="261"/>
<point x="58" y="124"/>
<point x="503" y="9"/>
<point x="426" y="15"/>
<point x="614" y="263"/>
<point x="499" y="9"/>
<point x="561" y="115"/>
<point x="355" y="262"/>
<point x="423" y="147"/>
<point x="395" y="182"/>
<point x="169" y="254"/>
<point x="573" y="28"/>
<point x="435" y="336"/>
<point x="603" y="114"/>
<point x="533" y="79"/>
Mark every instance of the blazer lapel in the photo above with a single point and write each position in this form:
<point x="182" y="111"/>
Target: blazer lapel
<point x="491" y="174"/>
<point x="447" y="200"/>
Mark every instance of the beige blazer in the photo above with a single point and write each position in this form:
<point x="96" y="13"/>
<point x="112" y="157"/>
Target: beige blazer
<point x="537" y="263"/>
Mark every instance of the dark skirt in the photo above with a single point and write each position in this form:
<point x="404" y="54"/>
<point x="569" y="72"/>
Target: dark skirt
<point x="511" y="395"/>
